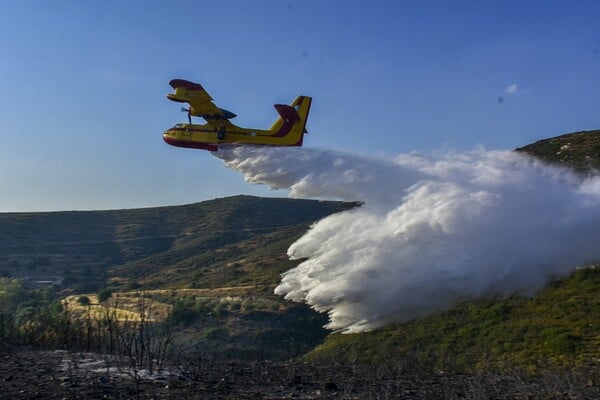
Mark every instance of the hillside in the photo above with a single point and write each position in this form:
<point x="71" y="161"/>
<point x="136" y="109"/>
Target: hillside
<point x="214" y="264"/>
<point x="90" y="248"/>
<point x="556" y="328"/>
<point x="578" y="150"/>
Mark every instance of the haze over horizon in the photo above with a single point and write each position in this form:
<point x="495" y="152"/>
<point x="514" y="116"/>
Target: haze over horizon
<point x="84" y="86"/>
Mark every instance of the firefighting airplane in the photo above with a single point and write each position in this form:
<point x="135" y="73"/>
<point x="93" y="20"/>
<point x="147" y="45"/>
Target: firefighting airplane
<point x="287" y="130"/>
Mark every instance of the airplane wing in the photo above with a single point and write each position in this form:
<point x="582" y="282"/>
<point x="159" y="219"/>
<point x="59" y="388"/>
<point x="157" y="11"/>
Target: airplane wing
<point x="200" y="102"/>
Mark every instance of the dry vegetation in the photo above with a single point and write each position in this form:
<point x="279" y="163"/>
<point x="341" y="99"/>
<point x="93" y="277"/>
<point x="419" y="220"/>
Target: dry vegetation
<point x="124" y="306"/>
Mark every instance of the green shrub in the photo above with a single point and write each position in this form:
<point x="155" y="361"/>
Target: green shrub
<point x="84" y="300"/>
<point x="104" y="294"/>
<point x="215" y="333"/>
<point x="182" y="314"/>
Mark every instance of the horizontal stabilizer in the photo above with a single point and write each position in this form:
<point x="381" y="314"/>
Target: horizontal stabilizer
<point x="288" y="113"/>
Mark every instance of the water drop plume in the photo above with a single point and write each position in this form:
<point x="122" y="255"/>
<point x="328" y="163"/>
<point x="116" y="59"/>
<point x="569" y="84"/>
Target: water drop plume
<point x="434" y="230"/>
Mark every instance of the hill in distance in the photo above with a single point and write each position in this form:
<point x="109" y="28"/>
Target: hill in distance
<point x="578" y="150"/>
<point x="216" y="262"/>
<point x="90" y="248"/>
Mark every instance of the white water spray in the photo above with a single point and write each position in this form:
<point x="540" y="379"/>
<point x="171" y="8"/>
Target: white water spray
<point x="433" y="230"/>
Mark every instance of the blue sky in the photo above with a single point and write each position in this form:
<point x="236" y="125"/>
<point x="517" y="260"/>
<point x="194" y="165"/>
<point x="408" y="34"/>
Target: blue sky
<point x="83" y="104"/>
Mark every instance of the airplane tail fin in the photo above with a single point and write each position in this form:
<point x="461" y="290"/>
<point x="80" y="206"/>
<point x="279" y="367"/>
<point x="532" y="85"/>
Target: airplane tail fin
<point x="292" y="120"/>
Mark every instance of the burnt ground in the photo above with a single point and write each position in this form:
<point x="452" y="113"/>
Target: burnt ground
<point x="32" y="374"/>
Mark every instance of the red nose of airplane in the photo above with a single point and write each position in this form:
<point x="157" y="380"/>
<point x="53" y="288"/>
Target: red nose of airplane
<point x="170" y="137"/>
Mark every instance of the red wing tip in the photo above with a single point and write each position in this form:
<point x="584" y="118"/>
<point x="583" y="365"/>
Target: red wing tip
<point x="177" y="83"/>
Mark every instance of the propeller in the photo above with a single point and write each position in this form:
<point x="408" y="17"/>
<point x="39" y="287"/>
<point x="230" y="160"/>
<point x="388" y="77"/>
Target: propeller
<point x="189" y="113"/>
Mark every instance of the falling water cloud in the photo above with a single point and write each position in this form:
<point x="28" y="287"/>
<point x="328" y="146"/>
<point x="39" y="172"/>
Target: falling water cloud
<point x="433" y="230"/>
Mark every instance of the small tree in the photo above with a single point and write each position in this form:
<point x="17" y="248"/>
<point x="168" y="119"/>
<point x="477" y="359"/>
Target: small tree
<point x="181" y="314"/>
<point x="84" y="300"/>
<point x="104" y="294"/>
